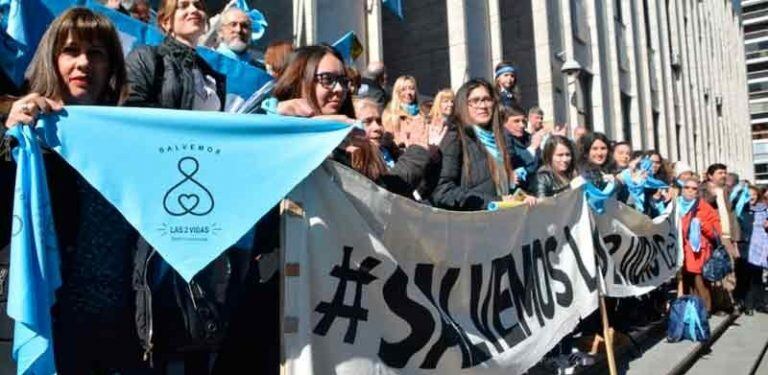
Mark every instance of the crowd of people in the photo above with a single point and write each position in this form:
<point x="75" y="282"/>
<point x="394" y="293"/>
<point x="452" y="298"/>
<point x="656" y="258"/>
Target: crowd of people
<point x="458" y="151"/>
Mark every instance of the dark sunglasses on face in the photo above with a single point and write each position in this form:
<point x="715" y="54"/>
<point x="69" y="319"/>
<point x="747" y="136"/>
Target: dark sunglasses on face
<point x="329" y="80"/>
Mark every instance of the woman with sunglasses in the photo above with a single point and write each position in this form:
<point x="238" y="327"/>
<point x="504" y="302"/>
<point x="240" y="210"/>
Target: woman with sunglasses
<point x="699" y="224"/>
<point x="172" y="75"/>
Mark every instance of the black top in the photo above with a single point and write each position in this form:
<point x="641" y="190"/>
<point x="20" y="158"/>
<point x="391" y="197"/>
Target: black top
<point x="162" y="76"/>
<point x="546" y="184"/>
<point x="457" y="190"/>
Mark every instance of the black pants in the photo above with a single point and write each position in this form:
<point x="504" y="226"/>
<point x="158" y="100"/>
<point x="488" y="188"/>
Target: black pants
<point x="742" y="279"/>
<point x="756" y="294"/>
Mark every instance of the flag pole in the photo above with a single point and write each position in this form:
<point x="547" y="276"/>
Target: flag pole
<point x="607" y="336"/>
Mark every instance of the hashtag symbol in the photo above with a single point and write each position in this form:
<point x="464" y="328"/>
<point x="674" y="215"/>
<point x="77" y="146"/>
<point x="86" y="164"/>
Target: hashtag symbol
<point x="337" y="308"/>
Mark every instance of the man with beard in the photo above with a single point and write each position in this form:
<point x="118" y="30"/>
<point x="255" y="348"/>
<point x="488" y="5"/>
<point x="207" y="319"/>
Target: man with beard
<point x="235" y="36"/>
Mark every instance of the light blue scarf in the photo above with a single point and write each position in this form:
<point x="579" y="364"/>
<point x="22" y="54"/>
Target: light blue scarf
<point x="387" y="156"/>
<point x="34" y="275"/>
<point x="684" y="206"/>
<point x="741" y="203"/>
<point x="411" y="109"/>
<point x="488" y="139"/>
<point x="192" y="183"/>
<point x="596" y="198"/>
<point x="637" y="189"/>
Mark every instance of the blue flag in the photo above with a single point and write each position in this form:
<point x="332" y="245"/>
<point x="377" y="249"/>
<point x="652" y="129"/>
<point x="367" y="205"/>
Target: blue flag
<point x="394" y="6"/>
<point x="349" y="47"/>
<point x="34" y="275"/>
<point x="191" y="182"/>
<point x="25" y="22"/>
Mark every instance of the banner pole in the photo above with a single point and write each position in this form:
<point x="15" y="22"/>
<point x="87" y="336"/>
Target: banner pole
<point x="608" y="337"/>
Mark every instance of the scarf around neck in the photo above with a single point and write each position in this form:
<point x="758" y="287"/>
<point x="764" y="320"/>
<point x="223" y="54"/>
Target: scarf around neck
<point x="411" y="109"/>
<point x="488" y="139"/>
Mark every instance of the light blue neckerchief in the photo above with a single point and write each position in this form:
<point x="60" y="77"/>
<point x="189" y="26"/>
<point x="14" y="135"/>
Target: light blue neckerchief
<point x="387" y="156"/>
<point x="694" y="234"/>
<point x="488" y="139"/>
<point x="35" y="274"/>
<point x="735" y="192"/>
<point x="596" y="198"/>
<point x="684" y="206"/>
<point x="742" y="202"/>
<point x="637" y="189"/>
<point x="411" y="109"/>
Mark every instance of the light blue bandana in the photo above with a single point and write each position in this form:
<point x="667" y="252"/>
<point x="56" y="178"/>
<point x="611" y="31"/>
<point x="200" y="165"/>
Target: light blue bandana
<point x="411" y="109"/>
<point x="192" y="183"/>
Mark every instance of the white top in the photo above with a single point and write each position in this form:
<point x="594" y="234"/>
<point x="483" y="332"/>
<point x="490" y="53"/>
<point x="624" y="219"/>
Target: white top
<point x="205" y="93"/>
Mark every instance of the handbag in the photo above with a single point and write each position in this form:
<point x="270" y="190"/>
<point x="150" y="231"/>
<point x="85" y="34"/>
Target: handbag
<point x="718" y="265"/>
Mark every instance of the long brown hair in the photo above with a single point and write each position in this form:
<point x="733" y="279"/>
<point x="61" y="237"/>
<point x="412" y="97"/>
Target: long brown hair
<point x="549" y="153"/>
<point x="81" y="24"/>
<point x="298" y="80"/>
<point x="464" y="129"/>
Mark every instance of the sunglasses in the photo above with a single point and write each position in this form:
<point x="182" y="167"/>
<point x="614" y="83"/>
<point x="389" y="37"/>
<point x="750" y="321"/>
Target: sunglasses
<point x="329" y="80"/>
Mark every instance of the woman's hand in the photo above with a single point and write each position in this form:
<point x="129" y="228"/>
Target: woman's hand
<point x="295" y="108"/>
<point x="531" y="200"/>
<point x="27" y="109"/>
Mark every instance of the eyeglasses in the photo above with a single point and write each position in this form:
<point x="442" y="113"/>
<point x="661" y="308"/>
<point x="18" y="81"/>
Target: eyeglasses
<point x="329" y="80"/>
<point x="476" y="102"/>
<point x="243" y="25"/>
<point x="694" y="188"/>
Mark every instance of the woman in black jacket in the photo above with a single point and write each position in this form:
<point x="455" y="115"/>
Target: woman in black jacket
<point x="79" y="61"/>
<point x="172" y="75"/>
<point x="558" y="170"/>
<point x="476" y="169"/>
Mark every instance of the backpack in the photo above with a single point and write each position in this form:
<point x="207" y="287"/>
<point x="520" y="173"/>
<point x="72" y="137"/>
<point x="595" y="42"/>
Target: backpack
<point x="687" y="320"/>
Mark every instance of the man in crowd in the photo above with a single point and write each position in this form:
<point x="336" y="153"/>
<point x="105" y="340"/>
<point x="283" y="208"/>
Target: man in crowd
<point x="140" y="11"/>
<point x="523" y="147"/>
<point x="235" y="36"/>
<point x="535" y="119"/>
<point x="373" y="82"/>
<point x="715" y="192"/>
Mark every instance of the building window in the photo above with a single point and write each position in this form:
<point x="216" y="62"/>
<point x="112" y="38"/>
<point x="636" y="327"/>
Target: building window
<point x="626" y="125"/>
<point x="761" y="171"/>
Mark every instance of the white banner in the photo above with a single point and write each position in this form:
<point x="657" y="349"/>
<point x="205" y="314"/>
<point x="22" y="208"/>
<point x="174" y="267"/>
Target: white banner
<point x="636" y="253"/>
<point x="378" y="284"/>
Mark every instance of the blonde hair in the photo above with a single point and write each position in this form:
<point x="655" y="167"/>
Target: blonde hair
<point x="442" y="95"/>
<point x="394" y="111"/>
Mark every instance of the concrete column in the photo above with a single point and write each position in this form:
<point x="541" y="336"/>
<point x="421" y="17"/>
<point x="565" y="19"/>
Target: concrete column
<point x="571" y="82"/>
<point x="641" y="66"/>
<point x="457" y="42"/>
<point x="544" y="58"/>
<point x="687" y="86"/>
<point x="608" y="59"/>
<point x="597" y="69"/>
<point x="666" y="86"/>
<point x="635" y="108"/>
<point x="305" y="23"/>
<point x="494" y="25"/>
<point x="375" y="45"/>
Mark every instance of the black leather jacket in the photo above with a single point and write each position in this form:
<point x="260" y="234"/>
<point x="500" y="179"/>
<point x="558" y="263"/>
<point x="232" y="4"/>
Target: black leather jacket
<point x="546" y="184"/>
<point x="461" y="191"/>
<point x="161" y="76"/>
